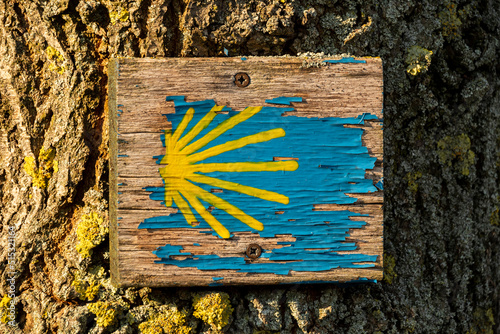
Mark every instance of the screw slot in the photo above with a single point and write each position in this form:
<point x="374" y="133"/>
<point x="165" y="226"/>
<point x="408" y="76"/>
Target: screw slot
<point x="241" y="79"/>
<point x="253" y="251"/>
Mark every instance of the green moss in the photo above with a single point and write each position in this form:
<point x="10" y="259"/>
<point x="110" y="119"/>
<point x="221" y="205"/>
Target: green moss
<point x="87" y="285"/>
<point x="47" y="167"/>
<point x="105" y="313"/>
<point x="483" y="322"/>
<point x="168" y="320"/>
<point x="122" y="16"/>
<point x="495" y="217"/>
<point x="450" y="21"/>
<point x="56" y="60"/>
<point x="418" y="60"/>
<point x="412" y="179"/>
<point x="389" y="265"/>
<point x="455" y="151"/>
<point x="91" y="232"/>
<point x="4" y="309"/>
<point x="213" y="308"/>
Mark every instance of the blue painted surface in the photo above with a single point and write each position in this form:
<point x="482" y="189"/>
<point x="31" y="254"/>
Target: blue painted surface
<point x="380" y="184"/>
<point x="284" y="100"/>
<point x="332" y="162"/>
<point x="168" y="250"/>
<point x="196" y="244"/>
<point x="243" y="58"/>
<point x="345" y="60"/>
<point x="217" y="278"/>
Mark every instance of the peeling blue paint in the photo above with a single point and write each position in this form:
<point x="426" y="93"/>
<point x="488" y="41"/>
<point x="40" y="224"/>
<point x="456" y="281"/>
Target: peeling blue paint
<point x="332" y="163"/>
<point x="284" y="100"/>
<point x="345" y="60"/>
<point x="168" y="250"/>
<point x="217" y="278"/>
<point x="380" y="184"/>
<point x="243" y="58"/>
<point x="366" y="116"/>
<point x="196" y="244"/>
<point x="226" y="52"/>
<point x="122" y="155"/>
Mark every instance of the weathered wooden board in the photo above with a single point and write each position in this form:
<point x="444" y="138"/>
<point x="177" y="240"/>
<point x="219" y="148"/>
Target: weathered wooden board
<point x="293" y="164"/>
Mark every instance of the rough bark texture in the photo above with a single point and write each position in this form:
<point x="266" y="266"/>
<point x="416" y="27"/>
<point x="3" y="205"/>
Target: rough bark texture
<point x="442" y="161"/>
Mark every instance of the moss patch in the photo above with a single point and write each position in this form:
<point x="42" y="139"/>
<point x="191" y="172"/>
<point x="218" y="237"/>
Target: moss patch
<point x="213" y="308"/>
<point x="450" y="19"/>
<point x="105" y="313"/>
<point x="4" y="309"/>
<point x="56" y="60"/>
<point x="455" y="151"/>
<point x="412" y="179"/>
<point x="116" y="16"/>
<point x="91" y="232"/>
<point x="418" y="60"/>
<point x="495" y="217"/>
<point x="389" y="265"/>
<point x="87" y="286"/>
<point x="168" y="320"/>
<point x="483" y="322"/>
<point x="42" y="173"/>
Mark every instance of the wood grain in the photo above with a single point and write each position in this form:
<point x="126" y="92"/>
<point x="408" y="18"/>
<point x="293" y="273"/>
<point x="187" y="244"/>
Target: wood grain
<point x="137" y="91"/>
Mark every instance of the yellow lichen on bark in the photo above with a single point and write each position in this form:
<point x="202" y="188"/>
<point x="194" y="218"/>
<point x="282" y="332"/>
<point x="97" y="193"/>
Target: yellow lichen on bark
<point x="91" y="232"/>
<point x="213" y="308"/>
<point x="105" y="313"/>
<point x="42" y="173"/>
<point x="168" y="320"/>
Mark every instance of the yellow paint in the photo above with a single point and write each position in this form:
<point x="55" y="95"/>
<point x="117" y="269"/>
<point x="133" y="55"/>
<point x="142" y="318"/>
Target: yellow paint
<point x="182" y="166"/>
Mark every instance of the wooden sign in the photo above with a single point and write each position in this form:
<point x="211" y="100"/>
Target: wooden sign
<point x="228" y="171"/>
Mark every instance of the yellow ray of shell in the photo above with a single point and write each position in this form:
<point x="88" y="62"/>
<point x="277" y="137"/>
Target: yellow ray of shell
<point x="183" y="125"/>
<point x="200" y="126"/>
<point x="236" y="144"/>
<point x="184" y="207"/>
<point x="271" y="166"/>
<point x="207" y="216"/>
<point x="221" y="128"/>
<point x="251" y="191"/>
<point x="168" y="195"/>
<point x="223" y="205"/>
<point x="168" y="136"/>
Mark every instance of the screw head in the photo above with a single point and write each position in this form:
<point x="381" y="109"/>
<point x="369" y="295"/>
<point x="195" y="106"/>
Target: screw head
<point x="253" y="251"/>
<point x="241" y="79"/>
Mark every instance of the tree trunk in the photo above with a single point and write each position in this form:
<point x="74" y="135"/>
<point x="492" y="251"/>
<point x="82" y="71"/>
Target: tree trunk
<point x="442" y="162"/>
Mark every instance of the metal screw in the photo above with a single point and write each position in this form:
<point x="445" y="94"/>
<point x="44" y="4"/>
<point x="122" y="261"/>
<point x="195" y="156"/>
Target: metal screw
<point x="241" y="79"/>
<point x="253" y="251"/>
